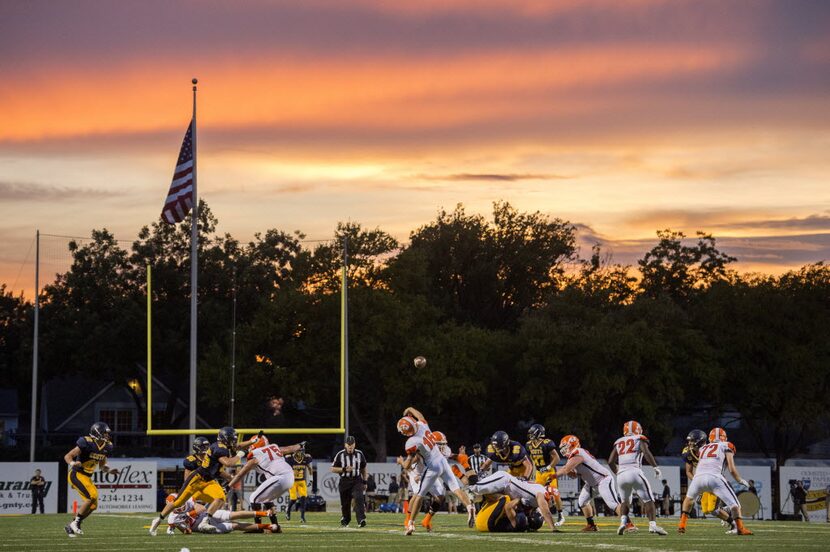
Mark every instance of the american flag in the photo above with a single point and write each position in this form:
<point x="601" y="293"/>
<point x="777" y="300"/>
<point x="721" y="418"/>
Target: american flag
<point x="180" y="197"/>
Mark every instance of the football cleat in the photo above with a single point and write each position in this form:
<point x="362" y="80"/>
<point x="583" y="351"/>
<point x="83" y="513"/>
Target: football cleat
<point x="681" y="530"/>
<point x="205" y="526"/>
<point x="621" y="529"/>
<point x="69" y="531"/>
<point x="171" y="530"/>
<point x="275" y="528"/>
<point x="631" y="528"/>
<point x="560" y="521"/>
<point x="656" y="530"/>
<point x="154" y="525"/>
<point x="426" y="525"/>
<point x="75" y="525"/>
<point x="410" y="528"/>
<point x="590" y="529"/>
<point x="361" y="523"/>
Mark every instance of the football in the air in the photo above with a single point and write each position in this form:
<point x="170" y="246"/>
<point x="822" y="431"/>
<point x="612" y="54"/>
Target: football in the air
<point x="420" y="362"/>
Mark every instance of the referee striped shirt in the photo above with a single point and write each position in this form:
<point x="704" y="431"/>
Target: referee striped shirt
<point x="356" y="460"/>
<point x="476" y="461"/>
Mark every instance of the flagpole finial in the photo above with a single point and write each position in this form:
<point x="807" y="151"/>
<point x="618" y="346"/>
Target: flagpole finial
<point x="195" y="81"/>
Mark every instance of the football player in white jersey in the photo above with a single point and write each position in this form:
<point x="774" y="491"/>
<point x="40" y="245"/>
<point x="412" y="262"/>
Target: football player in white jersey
<point x="269" y="461"/>
<point x="420" y="444"/>
<point x="530" y="494"/>
<point x="627" y="460"/>
<point x="188" y="518"/>
<point x="718" y="454"/>
<point x="594" y="476"/>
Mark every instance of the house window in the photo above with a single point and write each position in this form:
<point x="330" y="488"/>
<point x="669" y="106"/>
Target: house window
<point x="118" y="419"/>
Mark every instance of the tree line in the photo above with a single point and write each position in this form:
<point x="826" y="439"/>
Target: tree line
<point x="516" y="326"/>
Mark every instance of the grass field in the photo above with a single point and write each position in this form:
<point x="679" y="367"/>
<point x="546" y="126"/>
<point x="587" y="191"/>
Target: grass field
<point x="127" y="532"/>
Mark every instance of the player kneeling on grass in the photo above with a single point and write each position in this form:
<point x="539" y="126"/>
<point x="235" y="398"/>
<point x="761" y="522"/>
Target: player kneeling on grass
<point x="90" y="452"/>
<point x="627" y="460"/>
<point x="530" y="495"/>
<point x="714" y="456"/>
<point x="594" y="475"/>
<point x="189" y="517"/>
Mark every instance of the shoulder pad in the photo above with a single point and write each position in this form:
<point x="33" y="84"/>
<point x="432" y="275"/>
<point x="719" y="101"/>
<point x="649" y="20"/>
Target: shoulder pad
<point x="490" y="449"/>
<point x="730" y="446"/>
<point x="643" y="438"/>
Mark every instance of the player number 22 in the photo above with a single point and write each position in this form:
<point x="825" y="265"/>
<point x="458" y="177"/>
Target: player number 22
<point x="627" y="443"/>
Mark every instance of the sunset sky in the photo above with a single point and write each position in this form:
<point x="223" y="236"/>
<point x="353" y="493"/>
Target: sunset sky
<point x="621" y="117"/>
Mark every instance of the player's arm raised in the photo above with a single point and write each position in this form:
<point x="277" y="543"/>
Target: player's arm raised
<point x="415" y="413"/>
<point x="291" y="449"/>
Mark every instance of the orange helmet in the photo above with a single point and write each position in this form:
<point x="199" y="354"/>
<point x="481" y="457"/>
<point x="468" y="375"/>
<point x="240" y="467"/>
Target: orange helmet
<point x="257" y="442"/>
<point x="568" y="443"/>
<point x="406" y="426"/>
<point x="717" y="434"/>
<point x="632" y="427"/>
<point x="439" y="438"/>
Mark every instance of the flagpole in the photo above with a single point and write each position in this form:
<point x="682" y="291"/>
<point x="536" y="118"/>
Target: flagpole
<point x="194" y="263"/>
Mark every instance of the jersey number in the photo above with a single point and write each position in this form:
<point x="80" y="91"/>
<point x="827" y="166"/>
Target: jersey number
<point x="627" y="443"/>
<point x="429" y="440"/>
<point x="273" y="451"/>
<point x="709" y="451"/>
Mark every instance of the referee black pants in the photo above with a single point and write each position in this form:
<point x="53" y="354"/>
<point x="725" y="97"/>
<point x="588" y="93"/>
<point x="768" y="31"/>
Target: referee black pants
<point x="352" y="488"/>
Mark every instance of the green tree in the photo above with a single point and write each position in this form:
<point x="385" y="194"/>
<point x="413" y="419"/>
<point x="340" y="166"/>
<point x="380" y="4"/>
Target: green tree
<point x="486" y="273"/>
<point x="678" y="270"/>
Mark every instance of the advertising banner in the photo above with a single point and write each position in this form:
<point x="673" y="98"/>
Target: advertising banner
<point x="132" y="490"/>
<point x="16" y="493"/>
<point x="816" y="484"/>
<point x="759" y="477"/>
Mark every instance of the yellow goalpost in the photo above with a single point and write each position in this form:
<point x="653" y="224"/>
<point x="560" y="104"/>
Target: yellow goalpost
<point x="273" y="431"/>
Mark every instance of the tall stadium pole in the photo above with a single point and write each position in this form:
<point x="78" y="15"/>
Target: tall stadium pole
<point x="33" y="427"/>
<point x="345" y="333"/>
<point x="194" y="263"/>
<point x="233" y="349"/>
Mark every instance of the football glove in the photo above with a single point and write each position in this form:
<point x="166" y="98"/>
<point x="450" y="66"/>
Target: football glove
<point x="744" y="482"/>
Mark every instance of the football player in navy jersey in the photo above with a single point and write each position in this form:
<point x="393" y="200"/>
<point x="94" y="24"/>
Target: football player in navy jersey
<point x="90" y="452"/>
<point x="544" y="456"/>
<point x="502" y="450"/>
<point x="202" y="481"/>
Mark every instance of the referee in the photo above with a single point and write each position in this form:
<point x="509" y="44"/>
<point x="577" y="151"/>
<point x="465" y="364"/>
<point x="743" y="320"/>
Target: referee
<point x="350" y="463"/>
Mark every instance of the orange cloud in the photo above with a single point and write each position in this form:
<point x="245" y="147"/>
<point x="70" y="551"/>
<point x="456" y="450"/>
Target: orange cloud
<point x="393" y="92"/>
